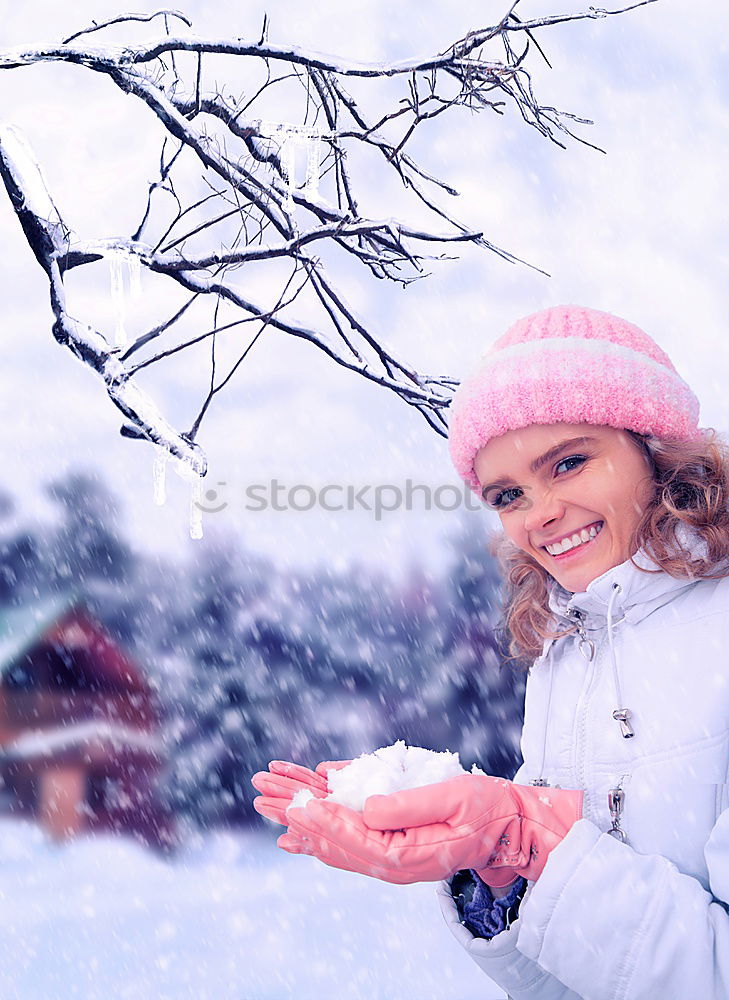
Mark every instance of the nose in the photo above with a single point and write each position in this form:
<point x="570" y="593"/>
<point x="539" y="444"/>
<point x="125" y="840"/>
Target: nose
<point x="543" y="509"/>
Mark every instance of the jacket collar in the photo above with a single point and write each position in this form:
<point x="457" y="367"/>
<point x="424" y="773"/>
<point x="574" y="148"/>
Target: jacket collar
<point x="640" y="593"/>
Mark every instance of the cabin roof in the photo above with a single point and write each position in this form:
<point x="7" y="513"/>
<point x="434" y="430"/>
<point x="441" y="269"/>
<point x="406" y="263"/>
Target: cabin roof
<point x="64" y="618"/>
<point x="22" y="627"/>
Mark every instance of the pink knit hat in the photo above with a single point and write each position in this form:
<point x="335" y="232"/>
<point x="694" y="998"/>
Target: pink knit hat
<point x="569" y="364"/>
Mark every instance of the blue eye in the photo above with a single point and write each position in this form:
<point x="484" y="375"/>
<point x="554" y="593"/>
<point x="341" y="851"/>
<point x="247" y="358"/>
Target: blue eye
<point x="573" y="458"/>
<point x="495" y="498"/>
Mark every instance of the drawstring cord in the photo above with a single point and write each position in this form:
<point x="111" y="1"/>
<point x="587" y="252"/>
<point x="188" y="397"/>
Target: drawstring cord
<point x="542" y="780"/>
<point x="621" y="715"/>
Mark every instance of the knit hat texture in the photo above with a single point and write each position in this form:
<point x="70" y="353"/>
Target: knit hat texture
<point x="569" y="364"/>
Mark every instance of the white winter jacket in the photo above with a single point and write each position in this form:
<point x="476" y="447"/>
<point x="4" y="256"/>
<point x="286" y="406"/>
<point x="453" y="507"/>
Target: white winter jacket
<point x="648" y="918"/>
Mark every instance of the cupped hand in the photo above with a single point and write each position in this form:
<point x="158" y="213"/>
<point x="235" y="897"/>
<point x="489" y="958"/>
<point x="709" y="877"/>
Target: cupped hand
<point x="283" y="780"/>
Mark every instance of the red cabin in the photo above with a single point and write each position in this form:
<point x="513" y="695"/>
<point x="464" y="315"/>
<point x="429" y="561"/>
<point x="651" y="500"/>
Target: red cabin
<point x="80" y="738"/>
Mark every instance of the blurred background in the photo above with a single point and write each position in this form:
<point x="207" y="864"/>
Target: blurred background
<point x="147" y="674"/>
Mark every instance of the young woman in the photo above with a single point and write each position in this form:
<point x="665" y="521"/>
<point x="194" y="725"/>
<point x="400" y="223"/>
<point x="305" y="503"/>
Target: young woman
<point x="601" y="870"/>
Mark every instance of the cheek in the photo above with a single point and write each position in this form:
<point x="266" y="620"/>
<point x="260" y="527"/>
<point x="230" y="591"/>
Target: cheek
<point x="516" y="533"/>
<point x="624" y="511"/>
<point x="595" y="495"/>
<point x="510" y="529"/>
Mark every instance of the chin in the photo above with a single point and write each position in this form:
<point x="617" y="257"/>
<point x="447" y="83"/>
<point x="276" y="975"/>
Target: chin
<point x="577" y="586"/>
<point x="579" y="582"/>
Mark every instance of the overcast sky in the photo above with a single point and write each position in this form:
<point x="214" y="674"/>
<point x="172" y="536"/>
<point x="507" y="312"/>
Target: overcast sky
<point x="640" y="231"/>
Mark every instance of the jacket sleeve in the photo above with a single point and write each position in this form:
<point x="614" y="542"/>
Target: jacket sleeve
<point x="521" y="977"/>
<point x="613" y="924"/>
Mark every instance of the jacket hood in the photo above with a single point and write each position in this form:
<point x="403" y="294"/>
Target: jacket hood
<point x="640" y="593"/>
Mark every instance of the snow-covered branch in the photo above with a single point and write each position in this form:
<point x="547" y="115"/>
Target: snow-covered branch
<point x="250" y="206"/>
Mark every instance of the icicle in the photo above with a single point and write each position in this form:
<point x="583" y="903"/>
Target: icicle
<point x="289" y="138"/>
<point x="313" y="163"/>
<point x="160" y="468"/>
<point x="117" y="259"/>
<point x="288" y="164"/>
<point x="185" y="471"/>
<point x="134" y="270"/>
<point x="117" y="298"/>
<point x="195" y="508"/>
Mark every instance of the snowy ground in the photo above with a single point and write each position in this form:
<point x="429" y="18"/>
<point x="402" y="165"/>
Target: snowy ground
<point x="233" y="918"/>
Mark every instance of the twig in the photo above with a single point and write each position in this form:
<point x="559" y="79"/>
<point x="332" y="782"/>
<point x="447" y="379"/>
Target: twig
<point x="127" y="17"/>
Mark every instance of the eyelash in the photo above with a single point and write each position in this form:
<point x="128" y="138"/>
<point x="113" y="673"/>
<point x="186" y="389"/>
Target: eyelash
<point x="499" y="506"/>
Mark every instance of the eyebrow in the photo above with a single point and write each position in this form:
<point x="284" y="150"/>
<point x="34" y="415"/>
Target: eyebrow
<point x="542" y="460"/>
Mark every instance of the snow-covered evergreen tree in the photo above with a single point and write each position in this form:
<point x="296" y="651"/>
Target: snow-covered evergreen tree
<point x="87" y="544"/>
<point x="472" y="695"/>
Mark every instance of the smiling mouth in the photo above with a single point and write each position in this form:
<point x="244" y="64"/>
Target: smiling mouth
<point x="571" y="547"/>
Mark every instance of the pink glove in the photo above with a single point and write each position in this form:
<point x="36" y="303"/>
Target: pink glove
<point x="283" y="780"/>
<point x="426" y="834"/>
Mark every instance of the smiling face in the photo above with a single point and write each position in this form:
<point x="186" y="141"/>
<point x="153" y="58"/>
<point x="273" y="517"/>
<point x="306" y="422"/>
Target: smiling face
<point x="549" y="481"/>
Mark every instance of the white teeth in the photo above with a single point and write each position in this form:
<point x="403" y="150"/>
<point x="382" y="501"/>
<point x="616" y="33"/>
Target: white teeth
<point x="554" y="550"/>
<point x="579" y="538"/>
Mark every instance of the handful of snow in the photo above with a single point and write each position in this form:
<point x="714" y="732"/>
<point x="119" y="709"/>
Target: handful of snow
<point x="389" y="769"/>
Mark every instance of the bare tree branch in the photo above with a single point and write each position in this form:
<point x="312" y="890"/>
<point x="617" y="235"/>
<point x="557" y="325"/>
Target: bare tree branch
<point x="249" y="205"/>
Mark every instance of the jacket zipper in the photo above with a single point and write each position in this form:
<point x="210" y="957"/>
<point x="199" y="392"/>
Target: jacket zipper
<point x="591" y="653"/>
<point x="616" y="800"/>
<point x="586" y="645"/>
<point x="616" y="796"/>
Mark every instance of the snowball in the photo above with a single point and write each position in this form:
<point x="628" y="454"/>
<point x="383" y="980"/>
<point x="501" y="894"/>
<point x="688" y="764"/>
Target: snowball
<point x="390" y="769"/>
